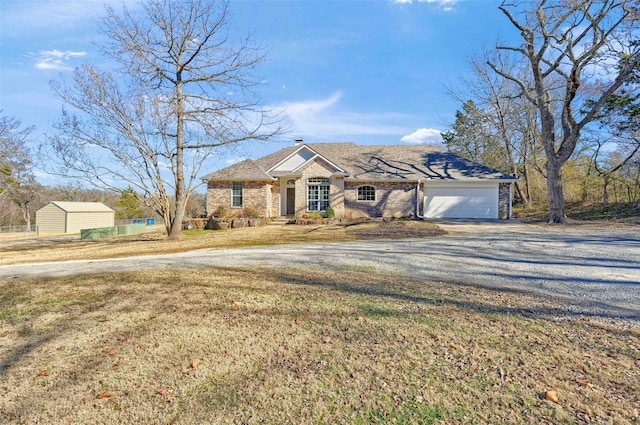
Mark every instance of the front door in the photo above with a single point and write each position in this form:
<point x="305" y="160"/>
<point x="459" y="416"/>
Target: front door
<point x="291" y="200"/>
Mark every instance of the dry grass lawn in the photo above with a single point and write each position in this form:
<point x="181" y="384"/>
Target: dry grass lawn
<point x="303" y="347"/>
<point x="155" y="242"/>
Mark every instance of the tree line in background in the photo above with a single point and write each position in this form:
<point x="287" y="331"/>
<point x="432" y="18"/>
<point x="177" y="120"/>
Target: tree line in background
<point x="21" y="195"/>
<point x="18" y="212"/>
<point x="560" y="110"/>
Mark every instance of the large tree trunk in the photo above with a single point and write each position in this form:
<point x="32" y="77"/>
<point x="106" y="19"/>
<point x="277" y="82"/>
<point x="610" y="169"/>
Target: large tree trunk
<point x="527" y="182"/>
<point x="556" y="194"/>
<point x="526" y="203"/>
<point x="605" y="190"/>
<point x="175" y="232"/>
<point x="168" y="221"/>
<point x="181" y="196"/>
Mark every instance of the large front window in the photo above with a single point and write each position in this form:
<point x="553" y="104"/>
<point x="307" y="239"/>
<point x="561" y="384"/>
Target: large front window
<point x="317" y="194"/>
<point x="236" y="194"/>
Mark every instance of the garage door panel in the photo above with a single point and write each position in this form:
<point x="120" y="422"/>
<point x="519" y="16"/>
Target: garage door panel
<point x="461" y="202"/>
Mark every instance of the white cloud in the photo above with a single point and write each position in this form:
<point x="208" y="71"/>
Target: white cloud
<point x="305" y="108"/>
<point x="447" y="5"/>
<point x="325" y="119"/>
<point x="422" y="136"/>
<point x="56" y="59"/>
<point x="235" y="160"/>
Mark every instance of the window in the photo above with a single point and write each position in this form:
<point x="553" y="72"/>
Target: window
<point x="366" y="193"/>
<point x="236" y="194"/>
<point x="317" y="194"/>
<point x="321" y="180"/>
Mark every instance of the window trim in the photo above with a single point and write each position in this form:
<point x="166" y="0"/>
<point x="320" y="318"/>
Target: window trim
<point x="373" y="192"/>
<point x="235" y="195"/>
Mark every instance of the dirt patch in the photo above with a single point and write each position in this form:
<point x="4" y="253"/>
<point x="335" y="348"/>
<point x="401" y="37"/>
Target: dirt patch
<point x="283" y="346"/>
<point x="529" y="226"/>
<point x="395" y="230"/>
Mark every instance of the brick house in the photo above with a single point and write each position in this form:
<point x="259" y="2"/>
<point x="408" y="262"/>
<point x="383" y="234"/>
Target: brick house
<point x="362" y="181"/>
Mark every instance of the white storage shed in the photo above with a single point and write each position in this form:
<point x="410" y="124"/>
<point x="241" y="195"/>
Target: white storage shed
<point x="71" y="217"/>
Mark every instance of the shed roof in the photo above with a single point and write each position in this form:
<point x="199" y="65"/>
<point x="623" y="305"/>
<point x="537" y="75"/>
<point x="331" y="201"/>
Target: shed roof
<point x="82" y="206"/>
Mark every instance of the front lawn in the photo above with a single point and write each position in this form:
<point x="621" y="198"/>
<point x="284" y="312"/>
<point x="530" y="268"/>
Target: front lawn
<point x="309" y="346"/>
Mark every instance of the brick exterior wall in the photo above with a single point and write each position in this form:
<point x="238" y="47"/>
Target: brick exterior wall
<point x="275" y="199"/>
<point x="391" y="200"/>
<point x="256" y="195"/>
<point x="336" y="196"/>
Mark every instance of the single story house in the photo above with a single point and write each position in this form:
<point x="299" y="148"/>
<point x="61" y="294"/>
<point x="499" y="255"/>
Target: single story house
<point x="362" y="181"/>
<point x="71" y="217"/>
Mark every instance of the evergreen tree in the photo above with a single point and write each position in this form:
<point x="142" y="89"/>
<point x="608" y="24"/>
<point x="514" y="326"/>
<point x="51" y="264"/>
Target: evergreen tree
<point x="129" y="205"/>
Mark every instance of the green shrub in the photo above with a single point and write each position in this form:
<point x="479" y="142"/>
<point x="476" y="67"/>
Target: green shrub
<point x="330" y="213"/>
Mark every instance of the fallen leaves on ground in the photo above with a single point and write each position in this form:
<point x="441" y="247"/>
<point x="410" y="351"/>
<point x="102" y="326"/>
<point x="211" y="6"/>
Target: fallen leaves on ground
<point x="552" y="395"/>
<point x="104" y="394"/>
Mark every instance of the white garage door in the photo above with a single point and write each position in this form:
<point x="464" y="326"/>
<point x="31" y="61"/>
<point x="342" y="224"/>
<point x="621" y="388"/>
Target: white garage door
<point x="479" y="201"/>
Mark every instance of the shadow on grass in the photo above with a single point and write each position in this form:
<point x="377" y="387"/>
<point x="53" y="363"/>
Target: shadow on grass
<point x="387" y="287"/>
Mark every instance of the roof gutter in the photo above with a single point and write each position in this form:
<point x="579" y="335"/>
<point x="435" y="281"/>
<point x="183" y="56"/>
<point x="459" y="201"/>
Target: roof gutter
<point x="240" y="179"/>
<point x="371" y="180"/>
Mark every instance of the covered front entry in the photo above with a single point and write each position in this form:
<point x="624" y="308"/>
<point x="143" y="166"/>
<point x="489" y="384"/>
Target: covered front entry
<point x="288" y="195"/>
<point x="460" y="200"/>
<point x="291" y="201"/>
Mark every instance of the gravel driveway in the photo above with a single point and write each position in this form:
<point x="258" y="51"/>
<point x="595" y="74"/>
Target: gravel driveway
<point x="594" y="270"/>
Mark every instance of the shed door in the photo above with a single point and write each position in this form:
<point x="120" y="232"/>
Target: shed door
<point x="461" y="202"/>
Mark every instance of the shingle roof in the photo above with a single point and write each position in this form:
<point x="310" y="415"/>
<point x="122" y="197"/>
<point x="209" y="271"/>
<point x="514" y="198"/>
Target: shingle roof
<point x="82" y="206"/>
<point x="245" y="170"/>
<point x="374" y="162"/>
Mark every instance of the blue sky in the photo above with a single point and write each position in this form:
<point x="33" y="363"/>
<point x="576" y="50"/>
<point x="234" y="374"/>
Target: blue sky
<point x="368" y="71"/>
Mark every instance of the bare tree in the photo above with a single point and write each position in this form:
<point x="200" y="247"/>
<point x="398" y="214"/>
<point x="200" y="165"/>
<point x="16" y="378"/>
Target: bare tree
<point x="606" y="164"/>
<point x="17" y="182"/>
<point x="25" y="195"/>
<point x="503" y="125"/>
<point x="14" y="155"/>
<point x="616" y="141"/>
<point x="190" y="88"/>
<point x="568" y="43"/>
